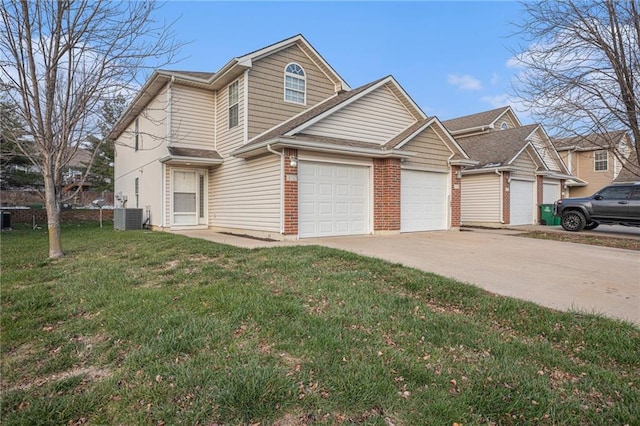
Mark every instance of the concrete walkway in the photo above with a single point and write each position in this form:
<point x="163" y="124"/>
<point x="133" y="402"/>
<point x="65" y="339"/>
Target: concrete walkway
<point x="559" y="275"/>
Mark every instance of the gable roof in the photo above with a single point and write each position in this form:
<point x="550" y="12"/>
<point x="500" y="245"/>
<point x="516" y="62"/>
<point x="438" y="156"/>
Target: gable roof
<point x="216" y="80"/>
<point x="497" y="149"/>
<point x="592" y="142"/>
<point x="630" y="170"/>
<point x="480" y="120"/>
<point x="297" y="124"/>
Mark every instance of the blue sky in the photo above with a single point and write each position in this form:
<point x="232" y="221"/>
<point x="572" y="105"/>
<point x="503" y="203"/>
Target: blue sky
<point x="451" y="57"/>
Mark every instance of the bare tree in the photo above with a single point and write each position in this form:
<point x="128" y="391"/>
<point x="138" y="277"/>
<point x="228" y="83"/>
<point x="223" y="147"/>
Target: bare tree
<point x="581" y="70"/>
<point x="59" y="62"/>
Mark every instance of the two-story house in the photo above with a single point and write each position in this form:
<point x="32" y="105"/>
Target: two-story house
<point x="517" y="168"/>
<point x="594" y="161"/>
<point x="276" y="144"/>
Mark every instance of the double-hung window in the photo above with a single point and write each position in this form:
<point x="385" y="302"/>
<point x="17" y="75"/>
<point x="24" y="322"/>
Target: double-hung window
<point x="600" y="161"/>
<point x="233" y="104"/>
<point x="295" y="84"/>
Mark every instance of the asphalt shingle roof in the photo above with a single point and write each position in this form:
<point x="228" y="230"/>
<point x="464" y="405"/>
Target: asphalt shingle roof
<point x="630" y="171"/>
<point x="594" y="141"/>
<point x="474" y="120"/>
<point x="195" y="153"/>
<point x="498" y="147"/>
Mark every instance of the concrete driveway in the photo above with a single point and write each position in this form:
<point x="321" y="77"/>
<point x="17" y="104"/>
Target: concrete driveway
<point x="559" y="275"/>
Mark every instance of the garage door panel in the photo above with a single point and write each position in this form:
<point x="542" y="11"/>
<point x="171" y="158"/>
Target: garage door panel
<point x="423" y="201"/>
<point x="521" y="202"/>
<point x="551" y="192"/>
<point x="340" y="199"/>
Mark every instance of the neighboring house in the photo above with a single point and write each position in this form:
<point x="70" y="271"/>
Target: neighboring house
<point x="591" y="158"/>
<point x="517" y="169"/>
<point x="276" y="144"/>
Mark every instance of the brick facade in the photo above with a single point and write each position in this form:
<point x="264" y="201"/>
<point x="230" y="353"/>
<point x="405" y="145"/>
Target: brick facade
<point x="456" y="196"/>
<point x="386" y="194"/>
<point x="290" y="192"/>
<point x="506" y="198"/>
<point x="39" y="216"/>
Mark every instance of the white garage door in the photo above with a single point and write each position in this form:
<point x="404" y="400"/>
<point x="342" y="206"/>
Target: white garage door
<point x="521" y="202"/>
<point x="333" y="199"/>
<point x="423" y="200"/>
<point x="550" y="192"/>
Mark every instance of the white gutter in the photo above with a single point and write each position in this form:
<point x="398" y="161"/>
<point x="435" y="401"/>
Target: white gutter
<point x="197" y="160"/>
<point x="287" y="143"/>
<point x="470" y="129"/>
<point x="281" y="155"/>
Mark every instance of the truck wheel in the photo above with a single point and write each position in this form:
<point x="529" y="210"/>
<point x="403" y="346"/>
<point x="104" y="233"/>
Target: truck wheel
<point x="573" y="221"/>
<point x="591" y="225"/>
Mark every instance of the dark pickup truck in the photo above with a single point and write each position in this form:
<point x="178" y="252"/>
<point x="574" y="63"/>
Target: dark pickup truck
<point x="612" y="205"/>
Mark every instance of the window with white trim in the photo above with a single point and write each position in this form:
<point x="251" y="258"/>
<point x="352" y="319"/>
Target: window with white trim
<point x="504" y="126"/>
<point x="600" y="161"/>
<point x="295" y="84"/>
<point x="233" y="104"/>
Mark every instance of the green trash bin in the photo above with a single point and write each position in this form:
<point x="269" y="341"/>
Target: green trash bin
<point x="546" y="215"/>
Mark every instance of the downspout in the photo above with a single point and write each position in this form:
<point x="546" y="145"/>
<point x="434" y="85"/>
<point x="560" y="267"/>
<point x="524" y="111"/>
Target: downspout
<point x="163" y="196"/>
<point x="501" y="196"/>
<point x="281" y="155"/>
<point x="169" y="110"/>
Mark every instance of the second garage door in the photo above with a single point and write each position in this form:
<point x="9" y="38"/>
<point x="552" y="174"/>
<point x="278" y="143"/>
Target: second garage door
<point x="521" y="202"/>
<point x="333" y="199"/>
<point x="423" y="200"/>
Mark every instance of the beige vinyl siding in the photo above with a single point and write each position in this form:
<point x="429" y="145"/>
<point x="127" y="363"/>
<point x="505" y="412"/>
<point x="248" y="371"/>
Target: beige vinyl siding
<point x="527" y="166"/>
<point x="375" y="118"/>
<point x="192" y="117"/>
<point x="243" y="194"/>
<point x="543" y="146"/>
<point x="431" y="151"/>
<point x="267" y="107"/>
<point x="246" y="194"/>
<point x="585" y="170"/>
<point x="228" y="139"/>
<point x="506" y="118"/>
<point x="143" y="163"/>
<point x="480" y="198"/>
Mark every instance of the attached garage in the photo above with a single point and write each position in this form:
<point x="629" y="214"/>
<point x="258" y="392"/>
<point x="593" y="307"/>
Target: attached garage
<point x="521" y="202"/>
<point x="423" y="201"/>
<point x="333" y="199"/>
<point x="551" y="192"/>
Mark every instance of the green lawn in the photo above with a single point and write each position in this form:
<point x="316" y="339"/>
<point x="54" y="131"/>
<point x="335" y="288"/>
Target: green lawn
<point x="145" y="327"/>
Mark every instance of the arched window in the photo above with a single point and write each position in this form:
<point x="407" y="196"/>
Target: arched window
<point x="295" y="84"/>
<point x="504" y="126"/>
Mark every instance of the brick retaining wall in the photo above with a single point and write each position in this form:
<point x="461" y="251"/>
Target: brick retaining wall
<point x="26" y="216"/>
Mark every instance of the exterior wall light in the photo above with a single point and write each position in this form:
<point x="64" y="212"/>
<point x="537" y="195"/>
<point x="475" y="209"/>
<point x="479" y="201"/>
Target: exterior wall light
<point x="293" y="161"/>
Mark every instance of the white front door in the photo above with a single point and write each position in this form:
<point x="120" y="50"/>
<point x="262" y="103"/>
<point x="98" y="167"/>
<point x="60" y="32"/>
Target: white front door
<point x="521" y="202"/>
<point x="189" y="197"/>
<point x="333" y="199"/>
<point x="423" y="198"/>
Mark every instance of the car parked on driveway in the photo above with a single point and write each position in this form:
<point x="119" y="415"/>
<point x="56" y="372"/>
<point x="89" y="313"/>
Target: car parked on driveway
<point x="612" y="205"/>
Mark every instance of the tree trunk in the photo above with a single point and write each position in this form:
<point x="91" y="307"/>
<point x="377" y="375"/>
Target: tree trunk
<point x="52" y="205"/>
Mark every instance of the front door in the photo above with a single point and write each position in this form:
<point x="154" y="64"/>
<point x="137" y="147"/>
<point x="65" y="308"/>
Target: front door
<point x="189" y="197"/>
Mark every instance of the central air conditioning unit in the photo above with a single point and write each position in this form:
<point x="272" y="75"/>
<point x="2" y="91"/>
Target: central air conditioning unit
<point x="127" y="219"/>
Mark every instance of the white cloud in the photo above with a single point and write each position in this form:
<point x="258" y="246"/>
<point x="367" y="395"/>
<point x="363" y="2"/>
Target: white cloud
<point x="495" y="79"/>
<point x="464" y="82"/>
